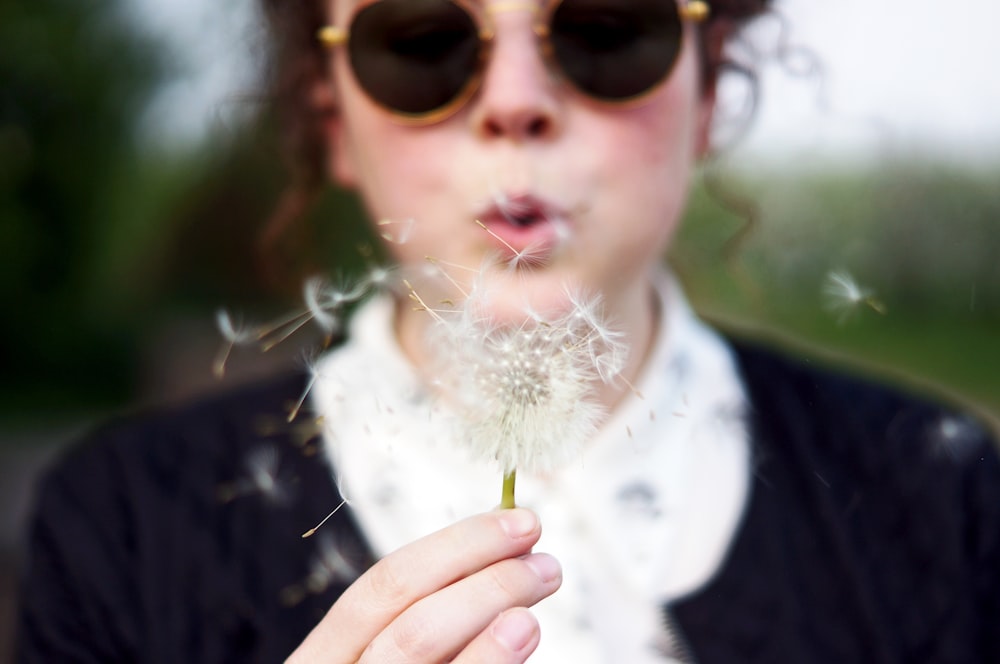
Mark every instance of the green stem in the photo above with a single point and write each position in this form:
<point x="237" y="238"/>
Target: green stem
<point x="507" y="497"/>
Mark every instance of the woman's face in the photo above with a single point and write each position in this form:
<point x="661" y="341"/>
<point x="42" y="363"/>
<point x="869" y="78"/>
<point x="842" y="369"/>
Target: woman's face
<point x="591" y="192"/>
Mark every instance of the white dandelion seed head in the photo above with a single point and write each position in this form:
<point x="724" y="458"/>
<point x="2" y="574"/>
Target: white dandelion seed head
<point x="525" y="394"/>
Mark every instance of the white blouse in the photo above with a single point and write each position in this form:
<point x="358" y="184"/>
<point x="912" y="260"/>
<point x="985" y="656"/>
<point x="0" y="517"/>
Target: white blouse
<point x="644" y="517"/>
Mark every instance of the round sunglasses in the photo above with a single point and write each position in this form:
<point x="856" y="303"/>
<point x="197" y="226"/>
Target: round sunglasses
<point x="423" y="59"/>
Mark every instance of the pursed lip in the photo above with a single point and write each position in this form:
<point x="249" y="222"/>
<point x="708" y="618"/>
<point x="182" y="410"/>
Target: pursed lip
<point x="524" y="224"/>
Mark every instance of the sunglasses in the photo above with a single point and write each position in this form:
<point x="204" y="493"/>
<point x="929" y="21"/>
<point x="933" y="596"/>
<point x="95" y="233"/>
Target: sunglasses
<point x="423" y="59"/>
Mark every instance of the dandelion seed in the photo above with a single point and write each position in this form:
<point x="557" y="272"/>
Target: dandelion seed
<point x="439" y="266"/>
<point x="376" y="278"/>
<point x="532" y="255"/>
<point x="297" y="407"/>
<point x="233" y="335"/>
<point x="608" y="353"/>
<point x="844" y="296"/>
<point x="955" y="436"/>
<point x="312" y="531"/>
<point x="323" y="304"/>
<point x="329" y="566"/>
<point x="397" y="232"/>
<point x="292" y="595"/>
<point x="262" y="476"/>
<point x="275" y="333"/>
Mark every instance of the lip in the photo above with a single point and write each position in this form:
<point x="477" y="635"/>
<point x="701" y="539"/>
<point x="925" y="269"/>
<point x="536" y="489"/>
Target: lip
<point x="524" y="226"/>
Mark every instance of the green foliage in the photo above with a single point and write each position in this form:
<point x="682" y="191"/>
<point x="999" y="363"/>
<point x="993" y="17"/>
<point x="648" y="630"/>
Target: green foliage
<point x="74" y="78"/>
<point x="923" y="236"/>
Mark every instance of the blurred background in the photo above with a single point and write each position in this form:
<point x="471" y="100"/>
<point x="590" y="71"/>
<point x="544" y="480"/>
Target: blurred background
<point x="139" y="167"/>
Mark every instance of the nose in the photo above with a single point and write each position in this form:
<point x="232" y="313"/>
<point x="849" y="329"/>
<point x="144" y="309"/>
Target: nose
<point x="517" y="98"/>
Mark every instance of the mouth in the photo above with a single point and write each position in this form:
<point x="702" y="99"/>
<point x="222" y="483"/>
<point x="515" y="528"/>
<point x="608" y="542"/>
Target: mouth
<point x="526" y="229"/>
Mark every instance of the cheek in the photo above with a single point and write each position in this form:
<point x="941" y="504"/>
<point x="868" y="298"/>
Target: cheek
<point x="384" y="160"/>
<point x="652" y="157"/>
<point x="662" y="134"/>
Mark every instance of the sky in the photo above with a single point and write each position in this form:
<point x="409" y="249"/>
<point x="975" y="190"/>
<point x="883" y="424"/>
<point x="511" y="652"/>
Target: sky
<point x="895" y="76"/>
<point x="899" y="75"/>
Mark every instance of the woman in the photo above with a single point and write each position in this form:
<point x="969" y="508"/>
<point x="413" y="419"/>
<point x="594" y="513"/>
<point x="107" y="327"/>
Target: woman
<point x="733" y="506"/>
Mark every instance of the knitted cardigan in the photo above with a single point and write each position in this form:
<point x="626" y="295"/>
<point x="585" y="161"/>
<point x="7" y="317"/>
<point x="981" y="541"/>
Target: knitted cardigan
<point x="872" y="534"/>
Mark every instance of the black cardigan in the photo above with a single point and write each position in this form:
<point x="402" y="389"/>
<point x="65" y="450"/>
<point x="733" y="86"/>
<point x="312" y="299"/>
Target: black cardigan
<point x="872" y="534"/>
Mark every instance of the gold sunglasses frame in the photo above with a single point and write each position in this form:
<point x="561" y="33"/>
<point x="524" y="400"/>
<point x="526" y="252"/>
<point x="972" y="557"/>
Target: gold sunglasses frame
<point x="331" y="37"/>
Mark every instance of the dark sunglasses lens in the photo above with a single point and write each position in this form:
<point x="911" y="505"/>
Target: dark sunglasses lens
<point x="414" y="56"/>
<point x="616" y="49"/>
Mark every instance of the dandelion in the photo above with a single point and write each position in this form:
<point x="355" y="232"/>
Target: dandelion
<point x="844" y="296"/>
<point x="524" y="393"/>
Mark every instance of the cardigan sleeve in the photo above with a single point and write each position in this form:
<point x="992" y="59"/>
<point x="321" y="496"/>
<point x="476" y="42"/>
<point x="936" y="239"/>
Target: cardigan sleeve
<point x="872" y="532"/>
<point x="142" y="548"/>
<point x="78" y="599"/>
<point x="983" y="501"/>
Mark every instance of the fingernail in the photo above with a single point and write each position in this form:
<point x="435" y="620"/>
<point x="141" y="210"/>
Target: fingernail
<point x="514" y="629"/>
<point x="518" y="522"/>
<point x="545" y="566"/>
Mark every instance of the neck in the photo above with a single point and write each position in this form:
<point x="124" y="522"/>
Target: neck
<point x="640" y="320"/>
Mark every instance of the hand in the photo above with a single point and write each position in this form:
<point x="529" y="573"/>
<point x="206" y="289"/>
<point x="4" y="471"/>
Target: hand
<point x="459" y="593"/>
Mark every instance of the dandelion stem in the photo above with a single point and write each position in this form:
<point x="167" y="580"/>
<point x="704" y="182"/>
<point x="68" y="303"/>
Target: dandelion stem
<point x="507" y="496"/>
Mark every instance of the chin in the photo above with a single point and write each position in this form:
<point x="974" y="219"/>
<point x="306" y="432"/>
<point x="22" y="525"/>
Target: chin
<point x="508" y="297"/>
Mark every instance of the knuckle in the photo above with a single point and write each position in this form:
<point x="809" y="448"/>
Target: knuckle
<point x="414" y="638"/>
<point x="407" y="639"/>
<point x="509" y="580"/>
<point x="389" y="585"/>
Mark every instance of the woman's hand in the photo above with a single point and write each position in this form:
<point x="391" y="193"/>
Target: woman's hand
<point x="458" y="593"/>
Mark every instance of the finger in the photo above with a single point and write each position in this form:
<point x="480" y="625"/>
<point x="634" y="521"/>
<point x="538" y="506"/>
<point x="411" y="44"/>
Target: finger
<point x="510" y="639"/>
<point x="413" y="572"/>
<point x="443" y="624"/>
